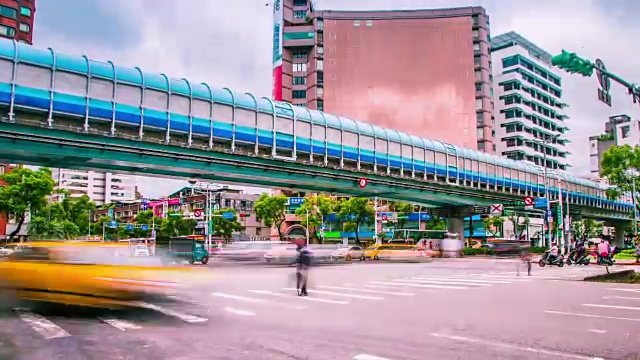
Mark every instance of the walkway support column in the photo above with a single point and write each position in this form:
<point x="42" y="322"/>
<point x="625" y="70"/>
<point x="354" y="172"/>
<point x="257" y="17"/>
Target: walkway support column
<point x="453" y="244"/>
<point x="619" y="236"/>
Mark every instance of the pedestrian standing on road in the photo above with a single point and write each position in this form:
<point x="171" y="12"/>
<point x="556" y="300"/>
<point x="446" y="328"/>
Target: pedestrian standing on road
<point x="525" y="256"/>
<point x="302" y="271"/>
<point x="638" y="252"/>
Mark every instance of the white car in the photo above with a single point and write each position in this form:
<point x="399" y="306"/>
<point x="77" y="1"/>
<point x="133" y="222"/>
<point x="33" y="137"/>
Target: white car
<point x="141" y="250"/>
<point x="4" y="251"/>
<point x="348" y="253"/>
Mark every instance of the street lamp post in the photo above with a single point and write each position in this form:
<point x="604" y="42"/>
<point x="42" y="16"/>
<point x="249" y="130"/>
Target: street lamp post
<point x="545" y="141"/>
<point x="307" y="227"/>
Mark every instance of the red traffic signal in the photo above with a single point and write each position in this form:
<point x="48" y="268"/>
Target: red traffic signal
<point x="244" y="215"/>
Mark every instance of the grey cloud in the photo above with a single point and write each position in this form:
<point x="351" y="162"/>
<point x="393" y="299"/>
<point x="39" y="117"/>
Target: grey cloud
<point x="85" y="21"/>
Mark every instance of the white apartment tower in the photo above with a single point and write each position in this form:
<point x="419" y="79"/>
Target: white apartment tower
<point x="101" y="187"/>
<point x="530" y="124"/>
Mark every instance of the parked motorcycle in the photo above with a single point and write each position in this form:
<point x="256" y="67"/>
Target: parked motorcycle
<point x="558" y="261"/>
<point x="582" y="260"/>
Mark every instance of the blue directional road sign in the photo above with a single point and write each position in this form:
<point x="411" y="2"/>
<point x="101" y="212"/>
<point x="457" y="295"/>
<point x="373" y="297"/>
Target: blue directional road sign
<point x="228" y="215"/>
<point x="111" y="213"/>
<point x="540" y="203"/>
<point x="550" y="216"/>
<point x="130" y="227"/>
<point x="113" y="223"/>
<point x="144" y="227"/>
<point x="144" y="206"/>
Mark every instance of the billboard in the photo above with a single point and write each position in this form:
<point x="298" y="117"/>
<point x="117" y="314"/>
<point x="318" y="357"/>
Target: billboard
<point x="277" y="49"/>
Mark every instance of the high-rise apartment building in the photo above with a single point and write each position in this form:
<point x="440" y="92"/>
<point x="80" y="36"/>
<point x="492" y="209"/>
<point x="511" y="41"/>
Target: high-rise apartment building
<point x="16" y="19"/>
<point x="618" y="130"/>
<point x="423" y="72"/>
<point x="101" y="187"/>
<point x="530" y="124"/>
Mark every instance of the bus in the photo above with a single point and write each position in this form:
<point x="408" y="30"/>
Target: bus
<point x="428" y="239"/>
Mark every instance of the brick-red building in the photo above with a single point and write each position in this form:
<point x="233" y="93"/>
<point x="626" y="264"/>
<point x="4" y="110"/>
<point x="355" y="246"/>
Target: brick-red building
<point x="16" y="19"/>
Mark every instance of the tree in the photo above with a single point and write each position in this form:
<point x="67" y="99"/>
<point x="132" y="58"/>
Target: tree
<point x="24" y="190"/>
<point x="493" y="225"/>
<point x="271" y="209"/>
<point x="436" y="223"/>
<point x="226" y="227"/>
<point x="402" y="209"/>
<point x="520" y="223"/>
<point x="585" y="229"/>
<point x="313" y="210"/>
<point x="356" y="211"/>
<point x="176" y="225"/>
<point x="619" y="165"/>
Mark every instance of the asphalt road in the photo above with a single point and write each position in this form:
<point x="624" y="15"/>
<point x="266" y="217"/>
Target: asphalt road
<point x="447" y="309"/>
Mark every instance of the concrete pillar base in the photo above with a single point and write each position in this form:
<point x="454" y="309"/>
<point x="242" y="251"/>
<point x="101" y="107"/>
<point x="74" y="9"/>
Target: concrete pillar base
<point x="452" y="246"/>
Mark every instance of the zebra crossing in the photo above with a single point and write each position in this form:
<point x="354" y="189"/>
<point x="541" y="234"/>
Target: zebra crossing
<point x="254" y="301"/>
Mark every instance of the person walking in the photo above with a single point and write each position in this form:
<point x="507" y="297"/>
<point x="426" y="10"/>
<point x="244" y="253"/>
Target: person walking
<point x="638" y="252"/>
<point x="302" y="270"/>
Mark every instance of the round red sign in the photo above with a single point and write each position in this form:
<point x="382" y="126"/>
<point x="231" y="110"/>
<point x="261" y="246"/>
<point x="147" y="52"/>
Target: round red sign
<point x="362" y="183"/>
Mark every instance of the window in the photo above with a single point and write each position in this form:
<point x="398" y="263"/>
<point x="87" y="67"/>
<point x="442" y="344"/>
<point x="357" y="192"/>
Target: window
<point x="624" y="131"/>
<point x="7" y="31"/>
<point x="320" y="78"/>
<point x="480" y="145"/>
<point x="299" y="94"/>
<point x="298" y="35"/>
<point x="320" y="50"/>
<point x="478" y="104"/>
<point x="25" y="11"/>
<point x="476" y="47"/>
<point x="299" y="80"/>
<point x="480" y="133"/>
<point x="299" y="67"/>
<point x="299" y="2"/>
<point x="510" y="61"/>
<point x="8" y="12"/>
<point x="320" y="105"/>
<point x="475" y="20"/>
<point x="300" y="54"/>
<point x="1" y="170"/>
<point x="320" y="24"/>
<point x="299" y="14"/>
<point x="320" y="65"/>
<point x="476" y="35"/>
<point x="25" y="27"/>
<point x="479" y="118"/>
<point x="476" y="60"/>
<point x="319" y="92"/>
<point x="478" y="87"/>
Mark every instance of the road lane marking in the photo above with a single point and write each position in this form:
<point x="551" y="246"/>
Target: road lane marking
<point x="237" y="297"/>
<point x="366" y="290"/>
<point x="515" y="347"/>
<point x="464" y="280"/>
<point x="441" y="282"/>
<point x="239" y="312"/>
<point x="368" y="357"/>
<point x="327" y="301"/>
<point x="366" y="297"/>
<point x="184" y="317"/>
<point x="119" y="324"/>
<point x="613" y="306"/>
<point x="418" y="285"/>
<point x="591" y="315"/>
<point x="597" y="331"/>
<point x="629" y="290"/>
<point x="41" y="325"/>
<point x="622" y="297"/>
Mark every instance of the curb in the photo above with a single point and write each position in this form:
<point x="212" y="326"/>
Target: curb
<point x="610" y="275"/>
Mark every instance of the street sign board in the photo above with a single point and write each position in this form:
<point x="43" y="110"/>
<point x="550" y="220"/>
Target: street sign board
<point x="605" y="82"/>
<point x="362" y="183"/>
<point x="384" y="217"/>
<point x="145" y="200"/>
<point x="113" y="223"/>
<point x="549" y="216"/>
<point x="228" y="215"/>
<point x="322" y="226"/>
<point x="111" y="213"/>
<point x="130" y="227"/>
<point x="540" y="203"/>
<point x="197" y="213"/>
<point x="144" y="227"/>
<point x="496" y="209"/>
<point x="528" y="201"/>
<point x="144" y="206"/>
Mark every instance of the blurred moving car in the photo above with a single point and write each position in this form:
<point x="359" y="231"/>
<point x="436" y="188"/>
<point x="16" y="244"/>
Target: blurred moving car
<point x="348" y="253"/>
<point x="248" y="251"/>
<point x="281" y="254"/>
<point x="86" y="274"/>
<point x="5" y="251"/>
<point x="378" y="251"/>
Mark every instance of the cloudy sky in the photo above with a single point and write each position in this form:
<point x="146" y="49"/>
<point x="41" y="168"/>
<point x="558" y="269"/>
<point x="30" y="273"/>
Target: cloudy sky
<point x="230" y="45"/>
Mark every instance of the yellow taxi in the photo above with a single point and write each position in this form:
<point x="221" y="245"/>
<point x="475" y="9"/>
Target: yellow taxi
<point x="85" y="274"/>
<point x="378" y="251"/>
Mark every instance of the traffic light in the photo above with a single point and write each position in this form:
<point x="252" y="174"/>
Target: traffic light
<point x="572" y="63"/>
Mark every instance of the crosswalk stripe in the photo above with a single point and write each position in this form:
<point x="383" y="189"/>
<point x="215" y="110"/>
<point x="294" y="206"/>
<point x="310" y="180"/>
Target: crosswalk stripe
<point x="41" y="324"/>
<point x="613" y="306"/>
<point x="418" y="285"/>
<point x="367" y="290"/>
<point x="239" y="312"/>
<point x="237" y="297"/>
<point x="366" y="297"/>
<point x="443" y="282"/>
<point x="184" y="317"/>
<point x="628" y="290"/>
<point x="464" y="280"/>
<point x="315" y="299"/>
<point x="120" y="324"/>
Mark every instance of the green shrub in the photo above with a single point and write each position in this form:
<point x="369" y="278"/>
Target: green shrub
<point x="469" y="251"/>
<point x="537" y="249"/>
